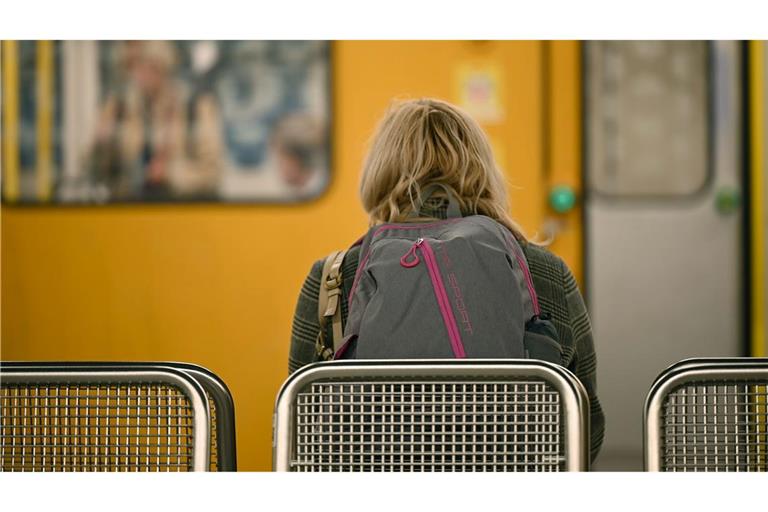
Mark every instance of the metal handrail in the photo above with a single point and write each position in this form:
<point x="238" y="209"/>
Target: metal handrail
<point x="18" y="373"/>
<point x="575" y="402"/>
<point x="706" y="373"/>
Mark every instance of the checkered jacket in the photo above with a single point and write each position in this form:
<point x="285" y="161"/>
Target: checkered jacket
<point x="558" y="295"/>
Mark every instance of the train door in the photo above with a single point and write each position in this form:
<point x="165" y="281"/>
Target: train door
<point x="663" y="178"/>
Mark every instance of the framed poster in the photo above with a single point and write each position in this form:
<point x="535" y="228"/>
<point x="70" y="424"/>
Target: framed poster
<point x="137" y="121"/>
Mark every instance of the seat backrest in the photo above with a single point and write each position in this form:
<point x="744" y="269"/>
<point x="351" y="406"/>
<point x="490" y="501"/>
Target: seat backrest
<point x="708" y="415"/>
<point x="221" y="408"/>
<point x="102" y="417"/>
<point x="435" y="415"/>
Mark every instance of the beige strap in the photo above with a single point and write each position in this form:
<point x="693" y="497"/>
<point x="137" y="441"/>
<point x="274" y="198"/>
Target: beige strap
<point x="333" y="285"/>
<point x="322" y="303"/>
<point x="329" y="303"/>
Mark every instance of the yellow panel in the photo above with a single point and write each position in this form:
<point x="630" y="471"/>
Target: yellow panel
<point x="217" y="284"/>
<point x="757" y="99"/>
<point x="758" y="126"/>
<point x="44" y="119"/>
<point x="10" y="128"/>
<point x="565" y="146"/>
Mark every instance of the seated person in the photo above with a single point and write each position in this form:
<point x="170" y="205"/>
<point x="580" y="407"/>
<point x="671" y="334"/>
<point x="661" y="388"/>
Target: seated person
<point x="421" y="142"/>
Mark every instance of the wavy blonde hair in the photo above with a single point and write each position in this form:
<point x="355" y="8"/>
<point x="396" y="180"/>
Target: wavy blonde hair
<point x="425" y="141"/>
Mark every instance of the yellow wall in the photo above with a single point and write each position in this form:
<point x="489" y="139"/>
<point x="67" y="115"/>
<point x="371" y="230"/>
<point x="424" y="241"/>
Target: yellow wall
<point x="216" y="284"/>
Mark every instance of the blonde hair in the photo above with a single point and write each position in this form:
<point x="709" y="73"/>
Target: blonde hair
<point x="425" y="141"/>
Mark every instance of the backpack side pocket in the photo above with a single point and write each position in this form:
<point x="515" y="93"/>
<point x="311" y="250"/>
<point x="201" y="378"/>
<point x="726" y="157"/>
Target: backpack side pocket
<point x="540" y="340"/>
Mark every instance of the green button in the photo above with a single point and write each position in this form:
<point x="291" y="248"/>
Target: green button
<point x="727" y="200"/>
<point x="562" y="198"/>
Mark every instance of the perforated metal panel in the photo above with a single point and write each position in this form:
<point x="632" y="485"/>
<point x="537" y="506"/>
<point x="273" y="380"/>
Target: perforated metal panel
<point x="395" y="418"/>
<point x="709" y="417"/>
<point x="57" y="421"/>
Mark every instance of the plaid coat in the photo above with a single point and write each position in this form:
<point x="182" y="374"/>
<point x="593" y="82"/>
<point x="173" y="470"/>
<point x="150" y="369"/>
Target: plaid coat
<point x="558" y="295"/>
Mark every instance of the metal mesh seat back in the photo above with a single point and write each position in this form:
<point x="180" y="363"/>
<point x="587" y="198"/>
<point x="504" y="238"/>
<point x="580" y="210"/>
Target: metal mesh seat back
<point x="219" y="400"/>
<point x="715" y="426"/>
<point x="708" y="414"/>
<point x="102" y="417"/>
<point x="450" y="425"/>
<point x="93" y="427"/>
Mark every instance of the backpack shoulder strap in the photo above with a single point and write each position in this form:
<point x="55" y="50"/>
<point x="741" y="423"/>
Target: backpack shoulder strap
<point x="329" y="303"/>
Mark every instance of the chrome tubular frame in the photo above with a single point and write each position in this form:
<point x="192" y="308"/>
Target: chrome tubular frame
<point x="704" y="378"/>
<point x="574" y="414"/>
<point x="17" y="373"/>
<point x="225" y="412"/>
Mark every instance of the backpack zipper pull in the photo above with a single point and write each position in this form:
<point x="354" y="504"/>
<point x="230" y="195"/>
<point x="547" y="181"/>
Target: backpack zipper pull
<point x="411" y="252"/>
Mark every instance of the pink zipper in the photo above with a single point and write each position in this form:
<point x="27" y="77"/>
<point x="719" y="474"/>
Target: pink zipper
<point x="529" y="283"/>
<point x="442" y="297"/>
<point x="513" y="247"/>
<point x="364" y="259"/>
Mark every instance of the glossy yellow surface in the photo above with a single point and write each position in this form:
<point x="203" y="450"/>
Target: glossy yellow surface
<point x="759" y="345"/>
<point x="216" y="284"/>
<point x="44" y="94"/>
<point x="10" y="131"/>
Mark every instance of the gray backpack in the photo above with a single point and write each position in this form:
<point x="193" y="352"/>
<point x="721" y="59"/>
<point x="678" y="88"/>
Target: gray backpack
<point x="458" y="287"/>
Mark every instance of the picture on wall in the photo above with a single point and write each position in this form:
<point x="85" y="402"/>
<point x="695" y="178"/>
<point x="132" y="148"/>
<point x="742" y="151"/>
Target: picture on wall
<point x="157" y="121"/>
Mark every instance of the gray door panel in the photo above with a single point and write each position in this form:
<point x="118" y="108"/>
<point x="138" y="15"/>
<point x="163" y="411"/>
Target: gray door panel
<point x="663" y="269"/>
